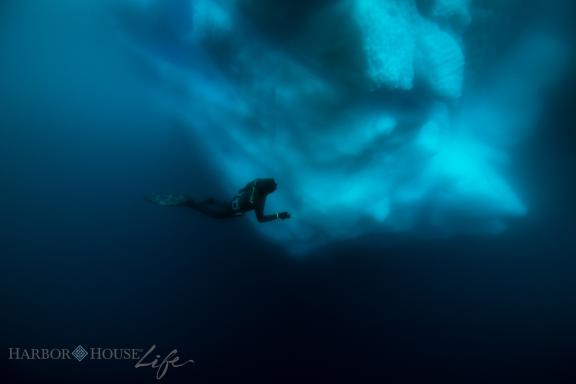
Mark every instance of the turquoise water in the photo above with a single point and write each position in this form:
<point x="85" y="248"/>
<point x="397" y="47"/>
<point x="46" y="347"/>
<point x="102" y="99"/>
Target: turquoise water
<point x="423" y="245"/>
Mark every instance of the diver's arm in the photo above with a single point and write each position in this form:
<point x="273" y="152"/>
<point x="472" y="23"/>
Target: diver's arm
<point x="259" y="210"/>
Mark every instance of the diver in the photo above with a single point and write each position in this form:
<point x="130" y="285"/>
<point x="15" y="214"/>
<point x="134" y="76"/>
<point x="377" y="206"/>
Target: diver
<point x="251" y="197"/>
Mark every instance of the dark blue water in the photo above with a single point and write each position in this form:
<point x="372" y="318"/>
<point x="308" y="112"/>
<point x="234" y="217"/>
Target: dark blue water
<point x="85" y="260"/>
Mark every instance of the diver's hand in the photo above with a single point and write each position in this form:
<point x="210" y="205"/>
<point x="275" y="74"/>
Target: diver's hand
<point x="283" y="215"/>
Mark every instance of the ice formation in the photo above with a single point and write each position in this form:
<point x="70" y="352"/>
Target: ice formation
<point x="359" y="108"/>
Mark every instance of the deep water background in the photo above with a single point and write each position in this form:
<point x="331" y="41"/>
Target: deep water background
<point x="86" y="261"/>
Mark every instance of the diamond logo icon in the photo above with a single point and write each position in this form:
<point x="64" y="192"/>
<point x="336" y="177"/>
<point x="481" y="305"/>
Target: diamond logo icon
<point x="79" y="353"/>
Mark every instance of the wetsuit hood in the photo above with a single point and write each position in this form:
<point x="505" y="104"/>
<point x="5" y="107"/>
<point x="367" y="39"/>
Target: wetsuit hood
<point x="267" y="185"/>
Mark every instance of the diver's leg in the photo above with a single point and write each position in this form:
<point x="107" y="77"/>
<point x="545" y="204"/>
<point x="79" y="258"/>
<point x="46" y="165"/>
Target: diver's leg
<point x="213" y="208"/>
<point x="169" y="200"/>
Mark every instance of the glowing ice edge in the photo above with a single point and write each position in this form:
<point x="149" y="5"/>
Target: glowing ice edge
<point x="365" y="171"/>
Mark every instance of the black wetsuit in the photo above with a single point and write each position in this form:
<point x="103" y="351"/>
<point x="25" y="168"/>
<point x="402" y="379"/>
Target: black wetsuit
<point x="251" y="197"/>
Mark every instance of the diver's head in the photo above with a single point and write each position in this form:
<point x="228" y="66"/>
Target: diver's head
<point x="267" y="185"/>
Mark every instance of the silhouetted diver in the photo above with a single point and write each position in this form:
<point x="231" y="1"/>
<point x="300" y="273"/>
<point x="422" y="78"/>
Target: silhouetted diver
<point x="251" y="197"/>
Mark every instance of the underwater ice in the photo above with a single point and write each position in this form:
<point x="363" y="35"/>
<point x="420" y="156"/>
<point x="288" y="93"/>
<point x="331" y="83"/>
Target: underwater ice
<point x="359" y="108"/>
